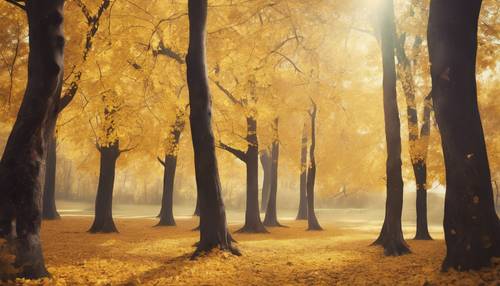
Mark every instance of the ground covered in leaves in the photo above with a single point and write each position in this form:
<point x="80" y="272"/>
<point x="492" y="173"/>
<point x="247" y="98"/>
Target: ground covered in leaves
<point x="145" y="255"/>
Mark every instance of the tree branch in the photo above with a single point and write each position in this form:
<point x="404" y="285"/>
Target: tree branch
<point x="93" y="24"/>
<point x="17" y="3"/>
<point x="161" y="162"/>
<point x="227" y="93"/>
<point x="288" y="60"/>
<point x="85" y="11"/>
<point x="128" y="149"/>
<point x="314" y="108"/>
<point x="238" y="153"/>
<point x="168" y="52"/>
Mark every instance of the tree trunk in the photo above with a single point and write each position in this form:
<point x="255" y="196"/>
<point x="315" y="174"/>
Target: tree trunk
<point x="418" y="143"/>
<point x="420" y="171"/>
<point x="26" y="148"/>
<point x="213" y="225"/>
<point x="271" y="218"/>
<point x="471" y="225"/>
<point x="166" y="212"/>
<point x="170" y="165"/>
<point x="49" y="210"/>
<point x="103" y="220"/>
<point x="312" y="221"/>
<point x="302" y="215"/>
<point x="265" y="161"/>
<point x="391" y="236"/>
<point x="253" y="222"/>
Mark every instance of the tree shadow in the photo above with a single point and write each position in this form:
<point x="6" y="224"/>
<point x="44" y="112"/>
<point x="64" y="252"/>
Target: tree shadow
<point x="169" y="267"/>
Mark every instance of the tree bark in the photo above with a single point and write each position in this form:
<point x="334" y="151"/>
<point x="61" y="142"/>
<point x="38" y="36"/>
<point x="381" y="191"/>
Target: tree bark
<point x="391" y="235"/>
<point x="271" y="218"/>
<point x="265" y="162"/>
<point x="213" y="225"/>
<point x="471" y="225"/>
<point x="312" y="221"/>
<point x="26" y="148"/>
<point x="253" y="222"/>
<point x="302" y="215"/>
<point x="103" y="220"/>
<point x="49" y="210"/>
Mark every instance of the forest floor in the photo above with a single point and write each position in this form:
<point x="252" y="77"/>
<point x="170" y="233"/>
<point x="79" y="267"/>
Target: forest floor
<point x="144" y="255"/>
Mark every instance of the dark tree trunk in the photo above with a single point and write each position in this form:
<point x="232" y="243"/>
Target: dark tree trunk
<point x="103" y="220"/>
<point x="253" y="222"/>
<point x="302" y="215"/>
<point x="420" y="171"/>
<point x="265" y="161"/>
<point x="49" y="210"/>
<point x="271" y="218"/>
<point x="418" y="143"/>
<point x="213" y="225"/>
<point x="166" y="212"/>
<point x="312" y="221"/>
<point x="25" y="151"/>
<point x="471" y="225"/>
<point x="391" y="235"/>
<point x="170" y="165"/>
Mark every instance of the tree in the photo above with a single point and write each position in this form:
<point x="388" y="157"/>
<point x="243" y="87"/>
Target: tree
<point x="170" y="165"/>
<point x="471" y="225"/>
<point x="253" y="222"/>
<point x="49" y="209"/>
<point x="49" y="189"/>
<point x="213" y="225"/>
<point x="418" y="136"/>
<point x="312" y="221"/>
<point x="265" y="162"/>
<point x="26" y="148"/>
<point x="271" y="218"/>
<point x="302" y="214"/>
<point x="103" y="219"/>
<point x="108" y="145"/>
<point x="391" y="235"/>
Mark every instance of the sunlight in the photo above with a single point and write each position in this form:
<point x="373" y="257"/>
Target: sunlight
<point x="237" y="142"/>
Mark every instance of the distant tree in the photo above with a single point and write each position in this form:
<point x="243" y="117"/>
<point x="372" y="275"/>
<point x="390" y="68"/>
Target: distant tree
<point x="312" y="221"/>
<point x="418" y="137"/>
<point x="471" y="225"/>
<point x="108" y="146"/>
<point x="391" y="235"/>
<point x="265" y="162"/>
<point x="271" y="218"/>
<point x="302" y="214"/>
<point x="213" y="225"/>
<point x="24" y="154"/>
<point x="253" y="222"/>
<point x="169" y="166"/>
